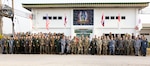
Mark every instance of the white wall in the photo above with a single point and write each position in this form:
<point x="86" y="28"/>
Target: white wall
<point x="129" y="13"/>
<point x="126" y="26"/>
<point x="52" y="12"/>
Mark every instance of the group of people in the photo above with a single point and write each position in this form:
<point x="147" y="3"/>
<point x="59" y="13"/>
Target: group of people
<point x="57" y="43"/>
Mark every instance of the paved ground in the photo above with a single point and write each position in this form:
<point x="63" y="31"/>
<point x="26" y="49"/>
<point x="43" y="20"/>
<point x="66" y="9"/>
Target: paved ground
<point x="73" y="60"/>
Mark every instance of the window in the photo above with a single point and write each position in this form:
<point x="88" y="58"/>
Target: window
<point x="112" y="17"/>
<point x="106" y="17"/>
<point x="54" y="17"/>
<point x="50" y="17"/>
<point x="44" y="17"/>
<point x="59" y="17"/>
<point x="123" y="17"/>
<point x="116" y="17"/>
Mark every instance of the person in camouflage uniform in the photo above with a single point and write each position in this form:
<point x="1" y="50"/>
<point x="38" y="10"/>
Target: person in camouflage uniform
<point x="86" y="45"/>
<point x="47" y="44"/>
<point x="104" y="42"/>
<point x="52" y="46"/>
<point x="26" y="45"/>
<point x="99" y="46"/>
<point x="80" y="47"/>
<point x="37" y="44"/>
<point x="73" y="44"/>
<point x="126" y="45"/>
<point x="68" y="45"/>
<point x="30" y="44"/>
<point x="42" y="44"/>
<point x="93" y="46"/>
<point x="108" y="40"/>
<point x="132" y="51"/>
<point x="121" y="46"/>
<point x="17" y="45"/>
<point x="34" y="44"/>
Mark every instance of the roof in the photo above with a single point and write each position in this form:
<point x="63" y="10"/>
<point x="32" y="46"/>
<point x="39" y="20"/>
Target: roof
<point x="88" y="5"/>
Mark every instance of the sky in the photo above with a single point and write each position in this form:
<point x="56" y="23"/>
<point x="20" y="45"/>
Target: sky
<point x="24" y="24"/>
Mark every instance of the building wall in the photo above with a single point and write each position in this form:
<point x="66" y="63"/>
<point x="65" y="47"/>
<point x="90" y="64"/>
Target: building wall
<point x="111" y="25"/>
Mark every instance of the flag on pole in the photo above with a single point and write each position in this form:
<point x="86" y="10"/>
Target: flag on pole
<point x="139" y="25"/>
<point x="47" y="22"/>
<point x="102" y="20"/>
<point x="31" y="18"/>
<point x="119" y="18"/>
<point x="65" y="21"/>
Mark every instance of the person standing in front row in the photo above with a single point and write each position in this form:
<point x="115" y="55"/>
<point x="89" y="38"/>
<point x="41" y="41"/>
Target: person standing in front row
<point x="144" y="45"/>
<point x="63" y="43"/>
<point x="111" y="46"/>
<point x="137" y="45"/>
<point x="11" y="45"/>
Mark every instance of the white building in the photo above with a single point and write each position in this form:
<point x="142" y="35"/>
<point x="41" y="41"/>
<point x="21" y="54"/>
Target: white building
<point x="90" y="23"/>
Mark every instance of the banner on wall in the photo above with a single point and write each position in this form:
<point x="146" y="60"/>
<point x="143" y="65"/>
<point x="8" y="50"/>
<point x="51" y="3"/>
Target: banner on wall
<point x="83" y="17"/>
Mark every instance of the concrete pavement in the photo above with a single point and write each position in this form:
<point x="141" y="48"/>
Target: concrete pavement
<point x="72" y="60"/>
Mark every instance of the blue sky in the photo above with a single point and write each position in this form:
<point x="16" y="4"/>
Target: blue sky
<point x="23" y="24"/>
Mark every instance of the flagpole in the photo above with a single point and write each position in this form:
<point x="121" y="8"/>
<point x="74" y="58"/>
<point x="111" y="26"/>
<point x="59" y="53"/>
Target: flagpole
<point x="13" y="30"/>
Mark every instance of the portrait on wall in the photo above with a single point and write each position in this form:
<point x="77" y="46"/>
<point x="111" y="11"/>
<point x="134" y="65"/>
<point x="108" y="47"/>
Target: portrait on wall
<point x="83" y="17"/>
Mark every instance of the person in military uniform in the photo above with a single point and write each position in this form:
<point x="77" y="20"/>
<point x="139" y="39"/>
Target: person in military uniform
<point x="108" y="40"/>
<point x="104" y="41"/>
<point x="121" y="46"/>
<point x="34" y="44"/>
<point x="22" y="41"/>
<point x="37" y="45"/>
<point x="73" y="44"/>
<point x="52" y="46"/>
<point x="82" y="43"/>
<point x="30" y="44"/>
<point x="26" y="45"/>
<point x="99" y="46"/>
<point x="63" y="44"/>
<point x="126" y="46"/>
<point x="68" y="45"/>
<point x="137" y="46"/>
<point x="11" y="45"/>
<point x="47" y="44"/>
<point x="42" y="44"/>
<point x="80" y="46"/>
<point x="117" y="38"/>
<point x="86" y="45"/>
<point x="93" y="46"/>
<point x="17" y="45"/>
<point x="5" y="45"/>
<point x="144" y="46"/>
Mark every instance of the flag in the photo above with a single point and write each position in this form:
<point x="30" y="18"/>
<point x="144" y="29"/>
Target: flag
<point x="119" y="18"/>
<point x="65" y="21"/>
<point x="139" y="25"/>
<point x="47" y="22"/>
<point x="31" y="17"/>
<point x="102" y="20"/>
